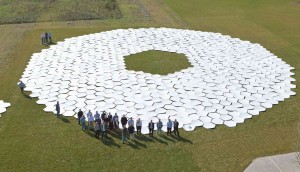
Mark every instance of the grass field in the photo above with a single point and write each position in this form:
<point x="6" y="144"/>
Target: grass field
<point x="27" y="11"/>
<point x="157" y="62"/>
<point x="32" y="140"/>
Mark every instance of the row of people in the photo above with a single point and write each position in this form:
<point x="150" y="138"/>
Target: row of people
<point x="107" y="121"/>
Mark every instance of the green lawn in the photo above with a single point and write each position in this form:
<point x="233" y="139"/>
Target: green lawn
<point x="24" y="11"/>
<point x="157" y="62"/>
<point x="32" y="140"/>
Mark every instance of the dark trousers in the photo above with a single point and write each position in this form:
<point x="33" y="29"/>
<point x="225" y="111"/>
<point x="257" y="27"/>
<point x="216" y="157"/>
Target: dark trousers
<point x="97" y="132"/>
<point x="116" y="125"/>
<point x="150" y="132"/>
<point x="169" y="131"/>
<point x="176" y="132"/>
<point x="79" y="120"/>
<point x="138" y="128"/>
<point x="104" y="134"/>
<point x="22" y="90"/>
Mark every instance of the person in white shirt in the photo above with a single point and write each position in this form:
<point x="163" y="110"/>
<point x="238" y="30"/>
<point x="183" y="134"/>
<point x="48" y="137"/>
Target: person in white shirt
<point x="43" y="38"/>
<point x="138" y="126"/>
<point x="90" y="120"/>
<point x="97" y="130"/>
<point x="169" y="127"/>
<point x="159" y="126"/>
<point x="130" y="122"/>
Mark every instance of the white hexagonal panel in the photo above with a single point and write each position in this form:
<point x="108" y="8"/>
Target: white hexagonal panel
<point x="230" y="80"/>
<point x="3" y="107"/>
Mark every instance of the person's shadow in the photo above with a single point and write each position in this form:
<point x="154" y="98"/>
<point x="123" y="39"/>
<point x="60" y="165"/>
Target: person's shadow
<point x="136" y="144"/>
<point x="159" y="140"/>
<point x="63" y="119"/>
<point x="26" y="96"/>
<point x="167" y="138"/>
<point x="144" y="138"/>
<point x="181" y="139"/>
<point x="139" y="144"/>
<point x="108" y="141"/>
<point x="116" y="134"/>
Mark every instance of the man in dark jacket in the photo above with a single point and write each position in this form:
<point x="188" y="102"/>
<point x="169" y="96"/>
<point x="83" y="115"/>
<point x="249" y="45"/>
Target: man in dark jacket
<point x="103" y="115"/>
<point x="109" y="116"/>
<point x="124" y="121"/>
<point x="176" y="124"/>
<point x="57" y="108"/>
<point x="151" y="128"/>
<point x="79" y="115"/>
<point x="131" y="132"/>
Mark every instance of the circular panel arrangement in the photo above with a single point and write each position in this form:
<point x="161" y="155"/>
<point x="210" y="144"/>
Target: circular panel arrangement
<point x="231" y="80"/>
<point x="3" y="106"/>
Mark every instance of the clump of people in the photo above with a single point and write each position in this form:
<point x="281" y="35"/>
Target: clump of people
<point x="46" y="38"/>
<point x="107" y="123"/>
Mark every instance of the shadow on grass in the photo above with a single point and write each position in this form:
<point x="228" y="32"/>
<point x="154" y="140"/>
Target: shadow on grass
<point x="139" y="139"/>
<point x="139" y="144"/>
<point x="106" y="141"/>
<point x="181" y="139"/>
<point x="116" y="134"/>
<point x="167" y="138"/>
<point x="27" y="96"/>
<point x="160" y="141"/>
<point x="63" y="119"/>
<point x="134" y="146"/>
<point x="110" y="142"/>
<point x="49" y="43"/>
<point x="144" y="138"/>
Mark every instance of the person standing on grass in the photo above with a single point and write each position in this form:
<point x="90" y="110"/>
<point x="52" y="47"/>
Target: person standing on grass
<point x="116" y="123"/>
<point x="123" y="135"/>
<point x="130" y="122"/>
<point x="103" y="127"/>
<point x="103" y="115"/>
<point x="151" y="128"/>
<point x="79" y="115"/>
<point x="109" y="116"/>
<point x="131" y="132"/>
<point x="21" y="86"/>
<point x="43" y="38"/>
<point x="97" y="130"/>
<point x="57" y="108"/>
<point x="169" y="127"/>
<point x="82" y="120"/>
<point x="50" y="38"/>
<point x="97" y="118"/>
<point x="46" y="37"/>
<point x="90" y="121"/>
<point x="116" y="120"/>
<point x="106" y="119"/>
<point x="138" y="126"/>
<point x="176" y="125"/>
<point x="159" y="126"/>
<point x="111" y="125"/>
<point x="124" y="121"/>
